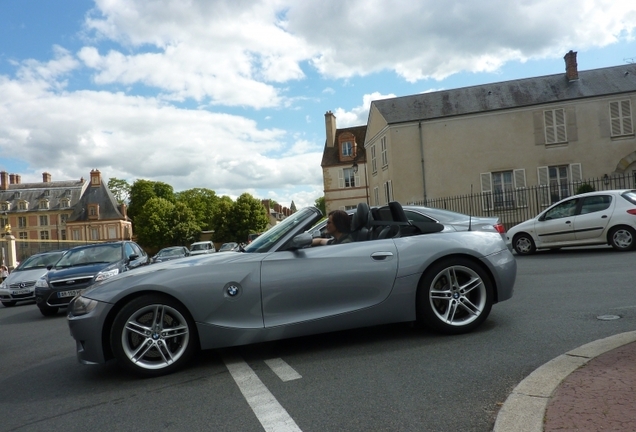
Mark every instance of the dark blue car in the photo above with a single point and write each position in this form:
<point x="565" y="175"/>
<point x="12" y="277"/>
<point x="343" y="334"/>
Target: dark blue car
<point x="81" y="267"/>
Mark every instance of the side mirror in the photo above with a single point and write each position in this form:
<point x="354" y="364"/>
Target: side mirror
<point x="133" y="257"/>
<point x="301" y="241"/>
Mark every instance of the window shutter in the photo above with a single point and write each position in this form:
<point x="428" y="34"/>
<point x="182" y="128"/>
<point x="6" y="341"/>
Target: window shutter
<point x="615" y="119"/>
<point x="519" y="176"/>
<point x="356" y="179"/>
<point x="549" y="127"/>
<point x="544" y="183"/>
<point x="576" y="177"/>
<point x="626" y="111"/>
<point x="340" y="179"/>
<point x="486" y="191"/>
<point x="559" y="115"/>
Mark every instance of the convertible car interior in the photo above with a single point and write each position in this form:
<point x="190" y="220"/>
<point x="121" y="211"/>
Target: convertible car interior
<point x="388" y="221"/>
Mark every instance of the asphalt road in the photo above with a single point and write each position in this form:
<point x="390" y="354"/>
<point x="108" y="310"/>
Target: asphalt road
<point x="388" y="378"/>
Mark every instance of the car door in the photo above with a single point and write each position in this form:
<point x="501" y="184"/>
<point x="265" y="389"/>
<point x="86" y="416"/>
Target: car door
<point x="557" y="224"/>
<point x="324" y="281"/>
<point x="592" y="220"/>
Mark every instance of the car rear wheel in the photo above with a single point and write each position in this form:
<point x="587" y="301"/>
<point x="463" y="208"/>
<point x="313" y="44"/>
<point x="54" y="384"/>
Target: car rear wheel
<point x="622" y="238"/>
<point x="523" y="244"/>
<point x="8" y="303"/>
<point x="455" y="296"/>
<point x="153" y="335"/>
<point x="48" y="311"/>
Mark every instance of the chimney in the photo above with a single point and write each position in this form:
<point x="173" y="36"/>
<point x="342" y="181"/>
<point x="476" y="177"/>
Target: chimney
<point x="123" y="211"/>
<point x="330" y="126"/>
<point x="4" y="180"/>
<point x="11" y="178"/>
<point x="18" y="178"/>
<point x="96" y="178"/>
<point x="571" y="68"/>
<point x="46" y="177"/>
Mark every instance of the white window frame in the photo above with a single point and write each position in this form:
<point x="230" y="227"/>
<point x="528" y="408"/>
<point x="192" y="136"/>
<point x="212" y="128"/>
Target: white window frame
<point x="22" y="235"/>
<point x="44" y="235"/>
<point x="383" y="152"/>
<point x="77" y="235"/>
<point x="554" y="126"/>
<point x="45" y="219"/>
<point x="376" y="195"/>
<point x="22" y="222"/>
<point x="374" y="160"/>
<point x="517" y="197"/>
<point x="346" y="149"/>
<point x="388" y="191"/>
<point x="574" y="176"/>
<point x="112" y="232"/>
<point x="94" y="233"/>
<point x="621" y="118"/>
<point x="343" y="177"/>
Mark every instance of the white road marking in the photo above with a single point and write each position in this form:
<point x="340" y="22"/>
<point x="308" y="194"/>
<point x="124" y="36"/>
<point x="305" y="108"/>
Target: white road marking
<point x="269" y="412"/>
<point x="284" y="371"/>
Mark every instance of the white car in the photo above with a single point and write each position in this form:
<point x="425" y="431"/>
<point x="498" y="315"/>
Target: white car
<point x="593" y="218"/>
<point x="202" y="247"/>
<point x="20" y="285"/>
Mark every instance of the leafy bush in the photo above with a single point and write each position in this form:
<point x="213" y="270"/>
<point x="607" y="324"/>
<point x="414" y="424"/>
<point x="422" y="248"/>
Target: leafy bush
<point x="584" y="188"/>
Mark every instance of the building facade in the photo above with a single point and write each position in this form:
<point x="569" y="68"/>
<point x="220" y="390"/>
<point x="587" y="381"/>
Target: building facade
<point x="344" y="166"/>
<point x="61" y="211"/>
<point x="497" y="138"/>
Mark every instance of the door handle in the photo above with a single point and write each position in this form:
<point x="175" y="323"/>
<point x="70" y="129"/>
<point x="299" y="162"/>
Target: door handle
<point x="604" y="217"/>
<point x="567" y="222"/>
<point x="379" y="256"/>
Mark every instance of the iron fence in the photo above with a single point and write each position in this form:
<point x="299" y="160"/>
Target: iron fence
<point x="515" y="206"/>
<point x="26" y="248"/>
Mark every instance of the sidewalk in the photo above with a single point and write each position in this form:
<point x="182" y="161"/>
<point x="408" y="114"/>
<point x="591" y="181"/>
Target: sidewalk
<point x="591" y="388"/>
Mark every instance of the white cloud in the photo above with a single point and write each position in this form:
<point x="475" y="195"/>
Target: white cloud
<point x="359" y="115"/>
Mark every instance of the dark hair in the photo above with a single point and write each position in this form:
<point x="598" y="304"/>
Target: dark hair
<point x="341" y="220"/>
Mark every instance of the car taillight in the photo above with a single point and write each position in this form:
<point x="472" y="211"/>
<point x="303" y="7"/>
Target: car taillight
<point x="632" y="212"/>
<point x="499" y="228"/>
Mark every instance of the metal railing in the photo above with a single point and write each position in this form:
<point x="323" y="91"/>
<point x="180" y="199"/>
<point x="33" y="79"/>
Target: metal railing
<point x="515" y="206"/>
<point x="26" y="248"/>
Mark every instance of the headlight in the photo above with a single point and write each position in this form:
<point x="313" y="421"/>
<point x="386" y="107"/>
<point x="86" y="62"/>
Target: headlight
<point x="103" y="275"/>
<point x="82" y="306"/>
<point x="41" y="283"/>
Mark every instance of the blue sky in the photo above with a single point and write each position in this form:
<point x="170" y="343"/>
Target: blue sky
<point x="231" y="95"/>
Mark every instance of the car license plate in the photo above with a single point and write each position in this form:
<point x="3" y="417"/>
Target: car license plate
<point x="21" y="291"/>
<point x="71" y="293"/>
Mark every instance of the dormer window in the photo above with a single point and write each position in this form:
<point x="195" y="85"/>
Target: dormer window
<point x="93" y="211"/>
<point x="67" y="193"/>
<point x="16" y="195"/>
<point x="44" y="204"/>
<point x="23" y="205"/>
<point x="65" y="203"/>
<point x="47" y="193"/>
<point x="5" y="206"/>
<point x="347" y="148"/>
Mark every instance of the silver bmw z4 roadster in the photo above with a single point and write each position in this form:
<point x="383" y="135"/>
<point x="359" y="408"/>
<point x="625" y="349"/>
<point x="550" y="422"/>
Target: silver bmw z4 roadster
<point x="154" y="319"/>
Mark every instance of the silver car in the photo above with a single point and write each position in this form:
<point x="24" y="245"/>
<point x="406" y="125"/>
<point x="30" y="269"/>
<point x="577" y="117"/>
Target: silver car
<point x="20" y="285"/>
<point x="153" y="320"/>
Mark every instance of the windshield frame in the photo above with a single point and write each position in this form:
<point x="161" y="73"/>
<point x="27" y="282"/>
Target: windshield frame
<point x="293" y="224"/>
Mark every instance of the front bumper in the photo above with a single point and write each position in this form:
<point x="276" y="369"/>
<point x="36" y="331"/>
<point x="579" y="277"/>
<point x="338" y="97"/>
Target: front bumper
<point x="87" y="330"/>
<point x="17" y="294"/>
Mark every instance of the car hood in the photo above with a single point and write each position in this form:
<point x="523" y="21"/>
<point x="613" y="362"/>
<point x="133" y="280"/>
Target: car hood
<point x="25" y="276"/>
<point x="77" y="271"/>
<point x="156" y="275"/>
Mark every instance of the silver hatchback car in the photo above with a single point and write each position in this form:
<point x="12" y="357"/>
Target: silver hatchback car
<point x="20" y="285"/>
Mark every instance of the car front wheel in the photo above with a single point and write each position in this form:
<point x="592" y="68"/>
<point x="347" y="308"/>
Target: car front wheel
<point x="622" y="238"/>
<point x="523" y="244"/>
<point x="153" y="335"/>
<point x="455" y="296"/>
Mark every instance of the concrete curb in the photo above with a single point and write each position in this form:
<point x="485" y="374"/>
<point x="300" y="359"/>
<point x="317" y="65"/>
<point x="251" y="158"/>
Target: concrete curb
<point x="524" y="409"/>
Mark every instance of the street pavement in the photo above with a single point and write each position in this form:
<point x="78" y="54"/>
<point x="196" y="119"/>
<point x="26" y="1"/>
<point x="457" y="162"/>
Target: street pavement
<point x="591" y="388"/>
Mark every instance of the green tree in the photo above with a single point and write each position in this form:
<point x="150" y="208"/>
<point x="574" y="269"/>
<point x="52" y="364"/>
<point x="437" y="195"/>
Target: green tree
<point x="153" y="223"/>
<point x="203" y="203"/>
<point x="120" y="189"/>
<point x="142" y="191"/>
<point x="183" y="226"/>
<point x="320" y="203"/>
<point x="221" y="220"/>
<point x="248" y="215"/>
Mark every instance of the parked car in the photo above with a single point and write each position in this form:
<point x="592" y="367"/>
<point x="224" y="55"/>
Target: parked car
<point x="202" y="247"/>
<point x="593" y="218"/>
<point x="81" y="267"/>
<point x="170" y="253"/>
<point x="20" y="285"/>
<point x="228" y="247"/>
<point x="154" y="319"/>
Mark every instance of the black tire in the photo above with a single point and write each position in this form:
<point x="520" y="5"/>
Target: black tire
<point x="48" y="311"/>
<point x="9" y="303"/>
<point x="622" y="238"/>
<point x="170" y="342"/>
<point x="454" y="296"/>
<point x="523" y="244"/>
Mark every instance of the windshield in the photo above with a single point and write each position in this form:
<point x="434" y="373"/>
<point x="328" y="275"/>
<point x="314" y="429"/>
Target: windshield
<point x="39" y="261"/>
<point x="228" y="246"/>
<point x="200" y="246"/>
<point x="265" y="241"/>
<point x="170" y="252"/>
<point x="104" y="253"/>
